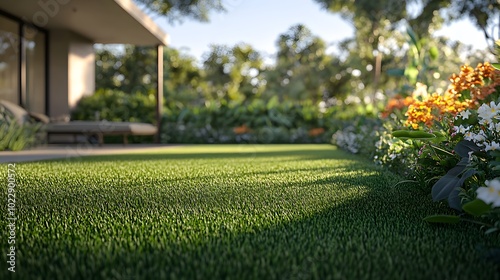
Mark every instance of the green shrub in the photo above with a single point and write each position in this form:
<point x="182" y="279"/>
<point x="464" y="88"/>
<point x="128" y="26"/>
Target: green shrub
<point x="14" y="136"/>
<point x="358" y="135"/>
<point x="114" y="105"/>
<point x="250" y="122"/>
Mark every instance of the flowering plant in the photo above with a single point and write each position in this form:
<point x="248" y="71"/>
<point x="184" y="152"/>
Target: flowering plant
<point x="480" y="129"/>
<point x="460" y="154"/>
<point x="473" y="185"/>
<point x="468" y="89"/>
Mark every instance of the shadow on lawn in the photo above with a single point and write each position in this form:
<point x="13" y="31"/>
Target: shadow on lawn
<point x="354" y="240"/>
<point x="369" y="237"/>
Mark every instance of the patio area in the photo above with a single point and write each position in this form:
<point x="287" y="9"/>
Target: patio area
<point x="49" y="152"/>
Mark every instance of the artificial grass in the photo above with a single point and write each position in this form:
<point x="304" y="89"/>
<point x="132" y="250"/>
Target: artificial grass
<point x="233" y="212"/>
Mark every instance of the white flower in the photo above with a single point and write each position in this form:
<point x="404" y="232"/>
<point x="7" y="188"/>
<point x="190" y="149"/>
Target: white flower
<point x="465" y="114"/>
<point x="491" y="193"/>
<point x="495" y="107"/>
<point x="420" y="91"/>
<point x="494" y="146"/>
<point x="480" y="137"/>
<point x="461" y="129"/>
<point x="470" y="155"/>
<point x="488" y="112"/>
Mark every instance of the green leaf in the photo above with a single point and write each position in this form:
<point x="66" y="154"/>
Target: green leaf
<point x="476" y="207"/>
<point x="396" y="72"/>
<point x="491" y="230"/>
<point x="444" y="219"/>
<point x="433" y="53"/>
<point x="401" y="133"/>
<point x="411" y="73"/>
<point x="464" y="147"/>
<point x="448" y="185"/>
<point x="496" y="65"/>
<point x="443" y="187"/>
<point x="413" y="38"/>
<point x="494" y="163"/>
<point x="410" y="134"/>
<point x="496" y="168"/>
<point x="495" y="153"/>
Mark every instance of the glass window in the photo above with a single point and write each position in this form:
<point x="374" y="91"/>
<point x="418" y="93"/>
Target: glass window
<point x="34" y="45"/>
<point x="9" y="60"/>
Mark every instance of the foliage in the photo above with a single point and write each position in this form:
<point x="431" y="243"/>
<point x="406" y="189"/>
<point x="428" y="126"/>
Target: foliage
<point x="114" y="105"/>
<point x="358" y="135"/>
<point x="303" y="69"/>
<point x="232" y="211"/>
<point x="483" y="13"/>
<point x="129" y="70"/>
<point x="422" y="15"/>
<point x="250" y="122"/>
<point x="460" y="157"/>
<point x="175" y="10"/>
<point x="184" y="81"/>
<point x="422" y="60"/>
<point x="15" y="136"/>
<point x="233" y="73"/>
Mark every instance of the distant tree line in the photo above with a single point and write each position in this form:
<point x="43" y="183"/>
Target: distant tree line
<point x="304" y="67"/>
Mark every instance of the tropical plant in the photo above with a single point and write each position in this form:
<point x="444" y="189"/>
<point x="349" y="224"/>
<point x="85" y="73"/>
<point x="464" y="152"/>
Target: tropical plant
<point x="15" y="136"/>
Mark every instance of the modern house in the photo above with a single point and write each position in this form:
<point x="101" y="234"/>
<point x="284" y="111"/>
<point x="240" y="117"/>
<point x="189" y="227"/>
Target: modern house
<point x="47" y="58"/>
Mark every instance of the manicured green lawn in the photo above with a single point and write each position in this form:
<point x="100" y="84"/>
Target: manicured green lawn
<point x="232" y="212"/>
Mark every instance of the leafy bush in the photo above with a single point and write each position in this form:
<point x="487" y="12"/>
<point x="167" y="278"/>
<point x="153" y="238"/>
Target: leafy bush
<point x="16" y="137"/>
<point x="455" y="140"/>
<point x="114" y="105"/>
<point x="358" y="136"/>
<point x="252" y="122"/>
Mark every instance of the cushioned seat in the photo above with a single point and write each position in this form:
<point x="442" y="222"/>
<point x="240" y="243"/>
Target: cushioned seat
<point x="99" y="128"/>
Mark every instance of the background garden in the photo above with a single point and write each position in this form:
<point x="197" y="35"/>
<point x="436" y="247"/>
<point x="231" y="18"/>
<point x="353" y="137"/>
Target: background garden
<point x="304" y="93"/>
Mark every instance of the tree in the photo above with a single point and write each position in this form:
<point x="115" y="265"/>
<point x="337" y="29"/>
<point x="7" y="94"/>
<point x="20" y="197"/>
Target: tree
<point x="373" y="21"/>
<point x="301" y="66"/>
<point x="483" y="14"/>
<point x="176" y="10"/>
<point x="130" y="70"/>
<point x="233" y="73"/>
<point x="185" y="82"/>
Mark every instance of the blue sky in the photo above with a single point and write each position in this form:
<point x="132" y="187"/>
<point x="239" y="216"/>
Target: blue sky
<point x="260" y="22"/>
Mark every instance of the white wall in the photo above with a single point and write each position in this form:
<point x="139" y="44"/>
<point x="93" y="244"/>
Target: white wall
<point x="81" y="70"/>
<point x="71" y="71"/>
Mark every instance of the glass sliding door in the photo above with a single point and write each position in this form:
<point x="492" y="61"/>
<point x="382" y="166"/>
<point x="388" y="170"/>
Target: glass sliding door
<point x="9" y="60"/>
<point x="34" y="61"/>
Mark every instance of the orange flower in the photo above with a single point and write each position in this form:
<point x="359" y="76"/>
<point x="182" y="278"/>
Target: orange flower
<point x="396" y="103"/>
<point x="313" y="132"/>
<point x="241" y="129"/>
<point x="480" y="82"/>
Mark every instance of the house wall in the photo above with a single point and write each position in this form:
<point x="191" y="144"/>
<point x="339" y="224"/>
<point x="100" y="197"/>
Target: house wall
<point x="72" y="71"/>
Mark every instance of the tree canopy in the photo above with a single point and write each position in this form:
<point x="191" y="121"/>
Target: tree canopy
<point x="176" y="10"/>
<point x="423" y="16"/>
